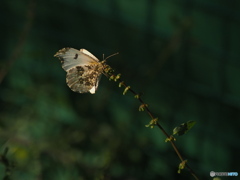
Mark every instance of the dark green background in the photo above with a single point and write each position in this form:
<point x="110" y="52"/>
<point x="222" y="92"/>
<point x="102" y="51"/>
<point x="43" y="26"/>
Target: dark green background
<point x="182" y="54"/>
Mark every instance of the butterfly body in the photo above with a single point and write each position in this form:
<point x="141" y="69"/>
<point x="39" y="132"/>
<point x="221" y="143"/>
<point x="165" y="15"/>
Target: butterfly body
<point x="83" y="69"/>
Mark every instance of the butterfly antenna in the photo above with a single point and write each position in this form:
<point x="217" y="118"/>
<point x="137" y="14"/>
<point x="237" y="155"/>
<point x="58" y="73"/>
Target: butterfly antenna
<point x="110" y="56"/>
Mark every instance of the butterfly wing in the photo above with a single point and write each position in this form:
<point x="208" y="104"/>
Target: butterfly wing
<point x="84" y="78"/>
<point x="71" y="57"/>
<point x="94" y="88"/>
<point x="83" y="69"/>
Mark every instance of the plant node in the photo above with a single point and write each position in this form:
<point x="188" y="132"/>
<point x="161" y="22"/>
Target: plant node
<point x="126" y="89"/>
<point x="152" y="123"/>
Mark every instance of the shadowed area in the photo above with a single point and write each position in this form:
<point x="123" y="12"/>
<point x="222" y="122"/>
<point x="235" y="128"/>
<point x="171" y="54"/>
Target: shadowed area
<point x="183" y="56"/>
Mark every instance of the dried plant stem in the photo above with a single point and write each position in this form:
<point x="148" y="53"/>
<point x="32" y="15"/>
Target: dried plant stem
<point x="109" y="73"/>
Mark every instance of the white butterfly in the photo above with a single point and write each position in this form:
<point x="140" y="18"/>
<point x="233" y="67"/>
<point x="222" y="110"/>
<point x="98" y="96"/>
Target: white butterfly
<point x="83" y="69"/>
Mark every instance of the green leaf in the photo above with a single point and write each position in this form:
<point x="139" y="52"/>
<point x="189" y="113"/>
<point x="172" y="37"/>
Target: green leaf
<point x="183" y="128"/>
<point x="137" y="96"/>
<point x="182" y="166"/>
<point x="152" y="123"/>
<point x="112" y="77"/>
<point x="117" y="77"/>
<point x="125" y="90"/>
<point x="121" y="84"/>
<point x="108" y="70"/>
<point x="171" y="138"/>
<point x="142" y="107"/>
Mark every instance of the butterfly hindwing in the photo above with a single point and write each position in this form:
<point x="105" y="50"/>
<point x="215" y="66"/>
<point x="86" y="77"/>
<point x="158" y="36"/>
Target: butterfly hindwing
<point x="84" y="79"/>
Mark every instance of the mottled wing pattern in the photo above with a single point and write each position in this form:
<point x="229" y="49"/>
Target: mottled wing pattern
<point x="83" y="69"/>
<point x="84" y="78"/>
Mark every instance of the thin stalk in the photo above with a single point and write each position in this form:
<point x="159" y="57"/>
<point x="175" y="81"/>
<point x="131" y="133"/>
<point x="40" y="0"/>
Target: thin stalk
<point x="108" y="72"/>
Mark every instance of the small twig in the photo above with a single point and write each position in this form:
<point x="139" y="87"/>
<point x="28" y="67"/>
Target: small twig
<point x="109" y="73"/>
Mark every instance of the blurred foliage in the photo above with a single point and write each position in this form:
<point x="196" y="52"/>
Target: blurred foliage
<point x="182" y="55"/>
<point x="183" y="128"/>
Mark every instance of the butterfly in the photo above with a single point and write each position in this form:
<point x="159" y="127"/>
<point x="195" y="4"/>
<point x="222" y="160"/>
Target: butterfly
<point x="83" y="69"/>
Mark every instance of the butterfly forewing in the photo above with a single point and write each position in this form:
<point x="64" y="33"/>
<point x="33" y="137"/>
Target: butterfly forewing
<point x="83" y="69"/>
<point x="72" y="57"/>
<point x="86" y="52"/>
